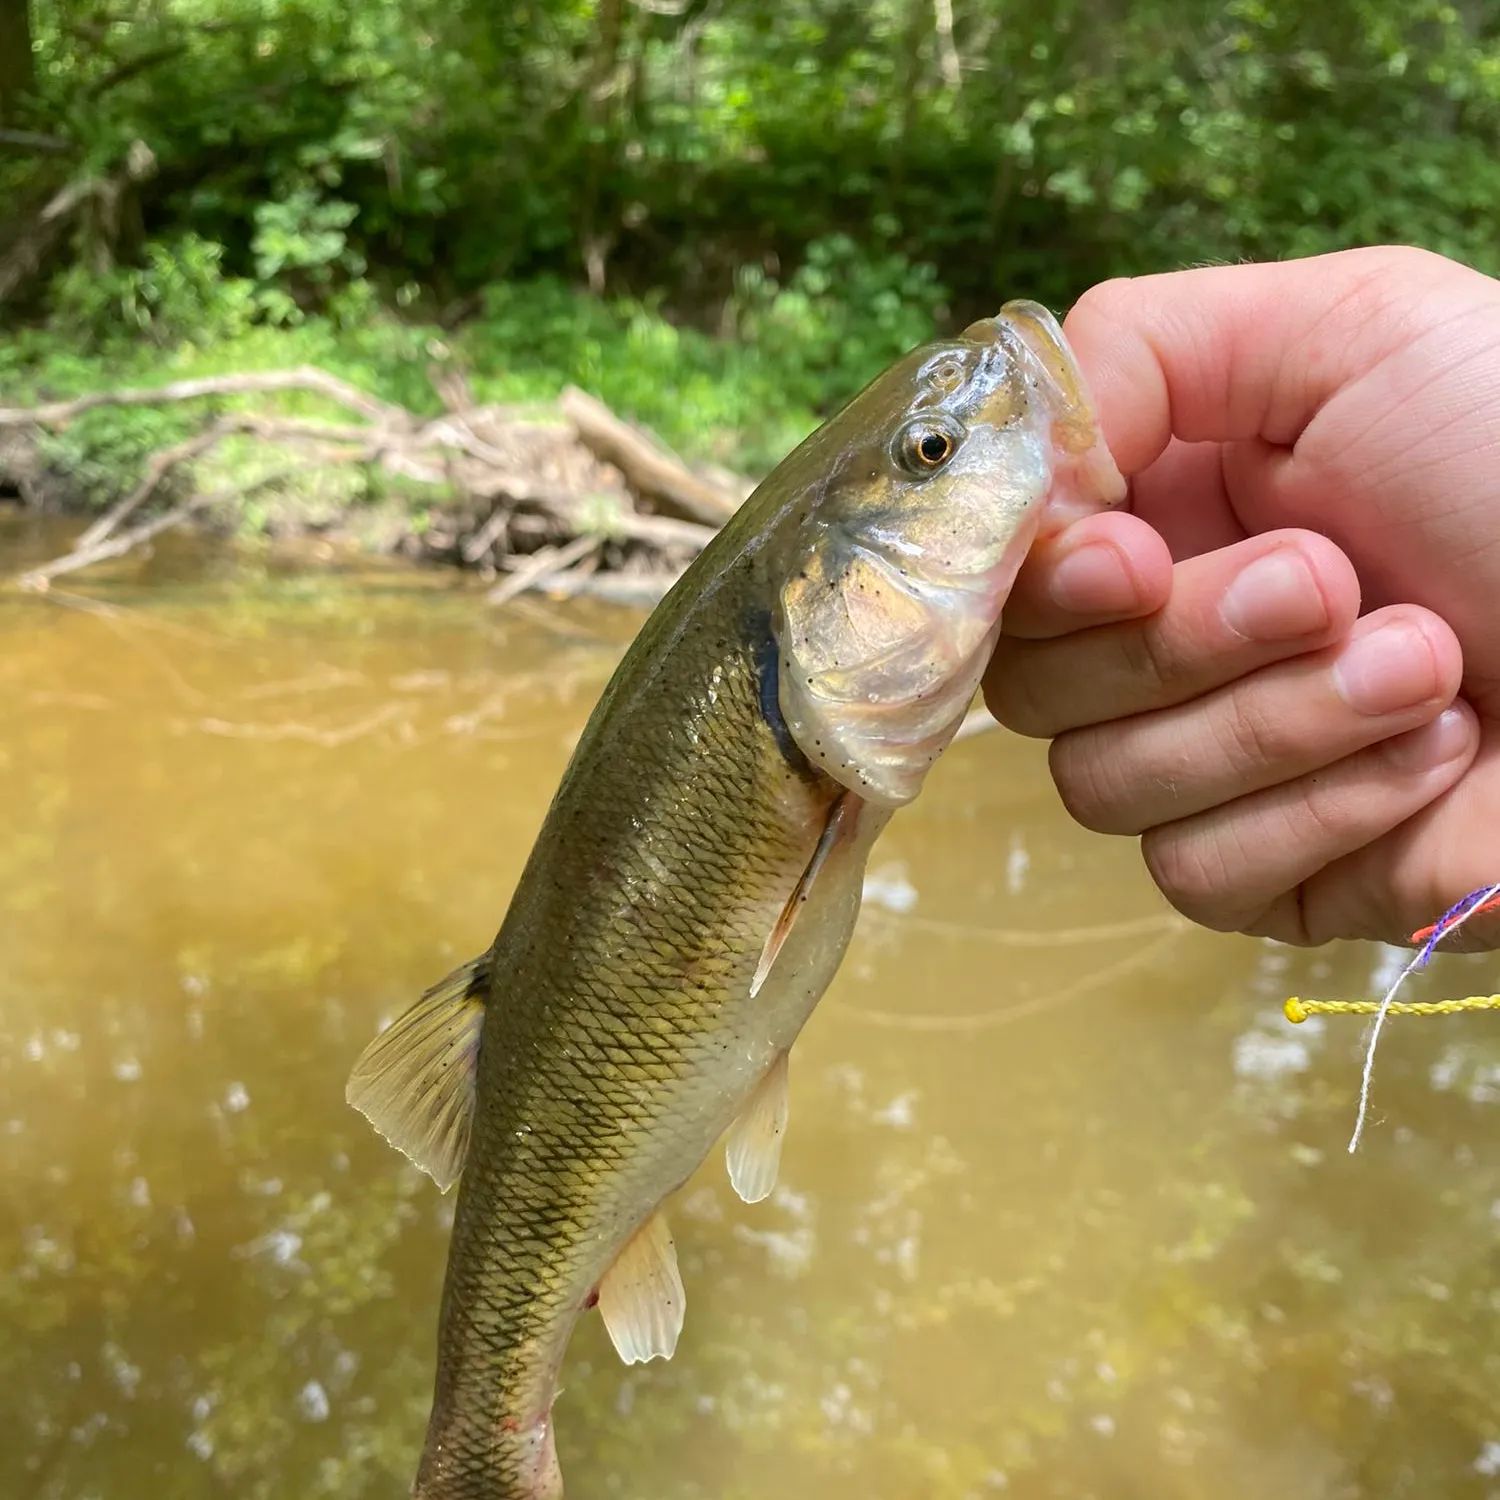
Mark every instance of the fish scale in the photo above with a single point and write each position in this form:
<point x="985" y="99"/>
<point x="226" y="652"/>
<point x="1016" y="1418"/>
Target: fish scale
<point x="697" y="878"/>
<point x="552" y="1180"/>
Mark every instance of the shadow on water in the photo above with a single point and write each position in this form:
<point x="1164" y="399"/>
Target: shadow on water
<point x="1065" y="1210"/>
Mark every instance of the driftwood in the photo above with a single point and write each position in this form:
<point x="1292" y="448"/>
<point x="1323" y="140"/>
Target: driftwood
<point x="560" y="498"/>
<point x="307" y="378"/>
<point x="650" y="468"/>
<point x="540" y="566"/>
<point x="102" y="550"/>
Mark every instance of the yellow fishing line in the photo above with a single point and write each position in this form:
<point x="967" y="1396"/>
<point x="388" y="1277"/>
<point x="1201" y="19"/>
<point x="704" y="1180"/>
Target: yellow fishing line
<point x="1298" y="1010"/>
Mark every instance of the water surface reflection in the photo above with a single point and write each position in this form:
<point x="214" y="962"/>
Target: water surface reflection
<point x="1065" y="1210"/>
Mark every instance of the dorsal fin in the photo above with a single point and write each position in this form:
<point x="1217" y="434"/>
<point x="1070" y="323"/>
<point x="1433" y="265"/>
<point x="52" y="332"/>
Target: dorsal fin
<point x="415" y="1081"/>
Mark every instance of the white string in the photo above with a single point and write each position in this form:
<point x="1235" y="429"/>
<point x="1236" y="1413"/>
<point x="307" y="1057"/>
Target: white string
<point x="1421" y="957"/>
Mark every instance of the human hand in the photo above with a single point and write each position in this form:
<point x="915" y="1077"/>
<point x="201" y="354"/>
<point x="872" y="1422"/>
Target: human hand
<point x="1294" y="768"/>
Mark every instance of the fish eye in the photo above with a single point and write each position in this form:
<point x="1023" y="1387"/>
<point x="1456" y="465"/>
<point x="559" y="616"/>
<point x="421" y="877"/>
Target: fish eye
<point x="934" y="447"/>
<point x="923" y="447"/>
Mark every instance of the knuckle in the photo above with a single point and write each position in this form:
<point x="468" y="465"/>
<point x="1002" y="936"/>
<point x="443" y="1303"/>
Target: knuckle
<point x="1359" y="901"/>
<point x="1020" y="689"/>
<point x="1248" y="736"/>
<point x="1192" y="867"/>
<point x="1379" y="292"/>
<point x="1092" y="776"/>
<point x="1321" y="815"/>
<point x="1146" y="659"/>
<point x="1281" y="921"/>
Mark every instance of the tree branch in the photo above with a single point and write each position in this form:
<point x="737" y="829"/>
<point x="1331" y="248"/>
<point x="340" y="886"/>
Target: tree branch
<point x="160" y="466"/>
<point x="37" y="579"/>
<point x="305" y="378"/>
<point x="31" y="140"/>
<point x="541" y="566"/>
<point x="647" y="467"/>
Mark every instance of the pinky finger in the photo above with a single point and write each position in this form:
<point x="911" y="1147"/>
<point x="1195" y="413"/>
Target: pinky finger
<point x="1237" y="868"/>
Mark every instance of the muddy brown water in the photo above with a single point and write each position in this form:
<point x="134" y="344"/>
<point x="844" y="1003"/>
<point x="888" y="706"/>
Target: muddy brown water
<point x="1065" y="1209"/>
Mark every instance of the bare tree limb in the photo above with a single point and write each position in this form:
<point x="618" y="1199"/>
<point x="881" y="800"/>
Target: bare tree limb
<point x="160" y="466"/>
<point x="636" y="589"/>
<point x="31" y="140"/>
<point x="304" y="378"/>
<point x="647" y="467"/>
<point x="26" y="255"/>
<point x="540" y="567"/>
<point x="948" y="58"/>
<point x="133" y="67"/>
<point x="487" y="535"/>
<point x="661" y="531"/>
<point x="37" y="579"/>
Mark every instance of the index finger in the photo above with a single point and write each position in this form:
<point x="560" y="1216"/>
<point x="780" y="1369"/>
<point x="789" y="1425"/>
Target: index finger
<point x="1231" y="353"/>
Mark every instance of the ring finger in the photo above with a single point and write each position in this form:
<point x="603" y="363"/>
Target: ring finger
<point x="1240" y="867"/>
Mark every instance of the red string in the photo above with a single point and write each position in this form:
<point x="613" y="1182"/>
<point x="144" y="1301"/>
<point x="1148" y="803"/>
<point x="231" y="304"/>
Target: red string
<point x="1493" y="904"/>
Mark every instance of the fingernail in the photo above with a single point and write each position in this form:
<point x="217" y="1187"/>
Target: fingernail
<point x="1093" y="581"/>
<point x="1391" y="667"/>
<point x="1274" y="599"/>
<point x="1434" y="744"/>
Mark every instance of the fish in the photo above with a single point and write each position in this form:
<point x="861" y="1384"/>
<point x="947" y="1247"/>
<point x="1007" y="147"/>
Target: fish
<point x="697" y="877"/>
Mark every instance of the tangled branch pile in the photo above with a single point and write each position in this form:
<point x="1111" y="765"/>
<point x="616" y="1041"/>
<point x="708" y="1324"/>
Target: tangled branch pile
<point x="570" y="498"/>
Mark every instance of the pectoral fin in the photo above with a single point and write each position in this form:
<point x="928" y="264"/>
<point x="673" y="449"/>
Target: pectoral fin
<point x="753" y="1146"/>
<point x="641" y="1298"/>
<point x="415" y="1081"/>
<point x="840" y="824"/>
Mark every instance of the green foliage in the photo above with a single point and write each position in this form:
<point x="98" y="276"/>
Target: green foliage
<point x="765" y="200"/>
<point x="842" y="315"/>
<point x="177" y="294"/>
<point x="798" y="350"/>
<point x="304" y="232"/>
<point x="659" y="150"/>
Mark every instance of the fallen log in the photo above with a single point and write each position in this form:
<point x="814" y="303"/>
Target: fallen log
<point x="647" y="467"/>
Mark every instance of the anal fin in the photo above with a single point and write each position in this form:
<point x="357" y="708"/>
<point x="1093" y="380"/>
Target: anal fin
<point x="841" y="820"/>
<point x="753" y="1146"/>
<point x="415" y="1081"/>
<point x="641" y="1298"/>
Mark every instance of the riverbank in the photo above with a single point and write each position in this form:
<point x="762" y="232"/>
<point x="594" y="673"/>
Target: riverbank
<point x="558" y="495"/>
<point x="550" y="425"/>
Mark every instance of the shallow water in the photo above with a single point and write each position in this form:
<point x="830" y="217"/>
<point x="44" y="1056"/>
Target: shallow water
<point x="1065" y="1209"/>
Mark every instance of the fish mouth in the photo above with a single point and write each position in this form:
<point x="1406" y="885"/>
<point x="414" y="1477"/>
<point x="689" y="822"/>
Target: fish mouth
<point x="1025" y="334"/>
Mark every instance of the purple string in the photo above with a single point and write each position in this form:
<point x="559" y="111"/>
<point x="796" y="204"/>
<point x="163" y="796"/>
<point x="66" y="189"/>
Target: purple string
<point x="1454" y="913"/>
<point x="1450" y="919"/>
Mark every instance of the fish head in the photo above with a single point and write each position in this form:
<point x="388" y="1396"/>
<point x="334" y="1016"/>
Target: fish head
<point x="936" y="480"/>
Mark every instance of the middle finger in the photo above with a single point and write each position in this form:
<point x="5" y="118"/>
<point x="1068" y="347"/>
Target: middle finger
<point x="1230" y="613"/>
<point x="1399" y="669"/>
